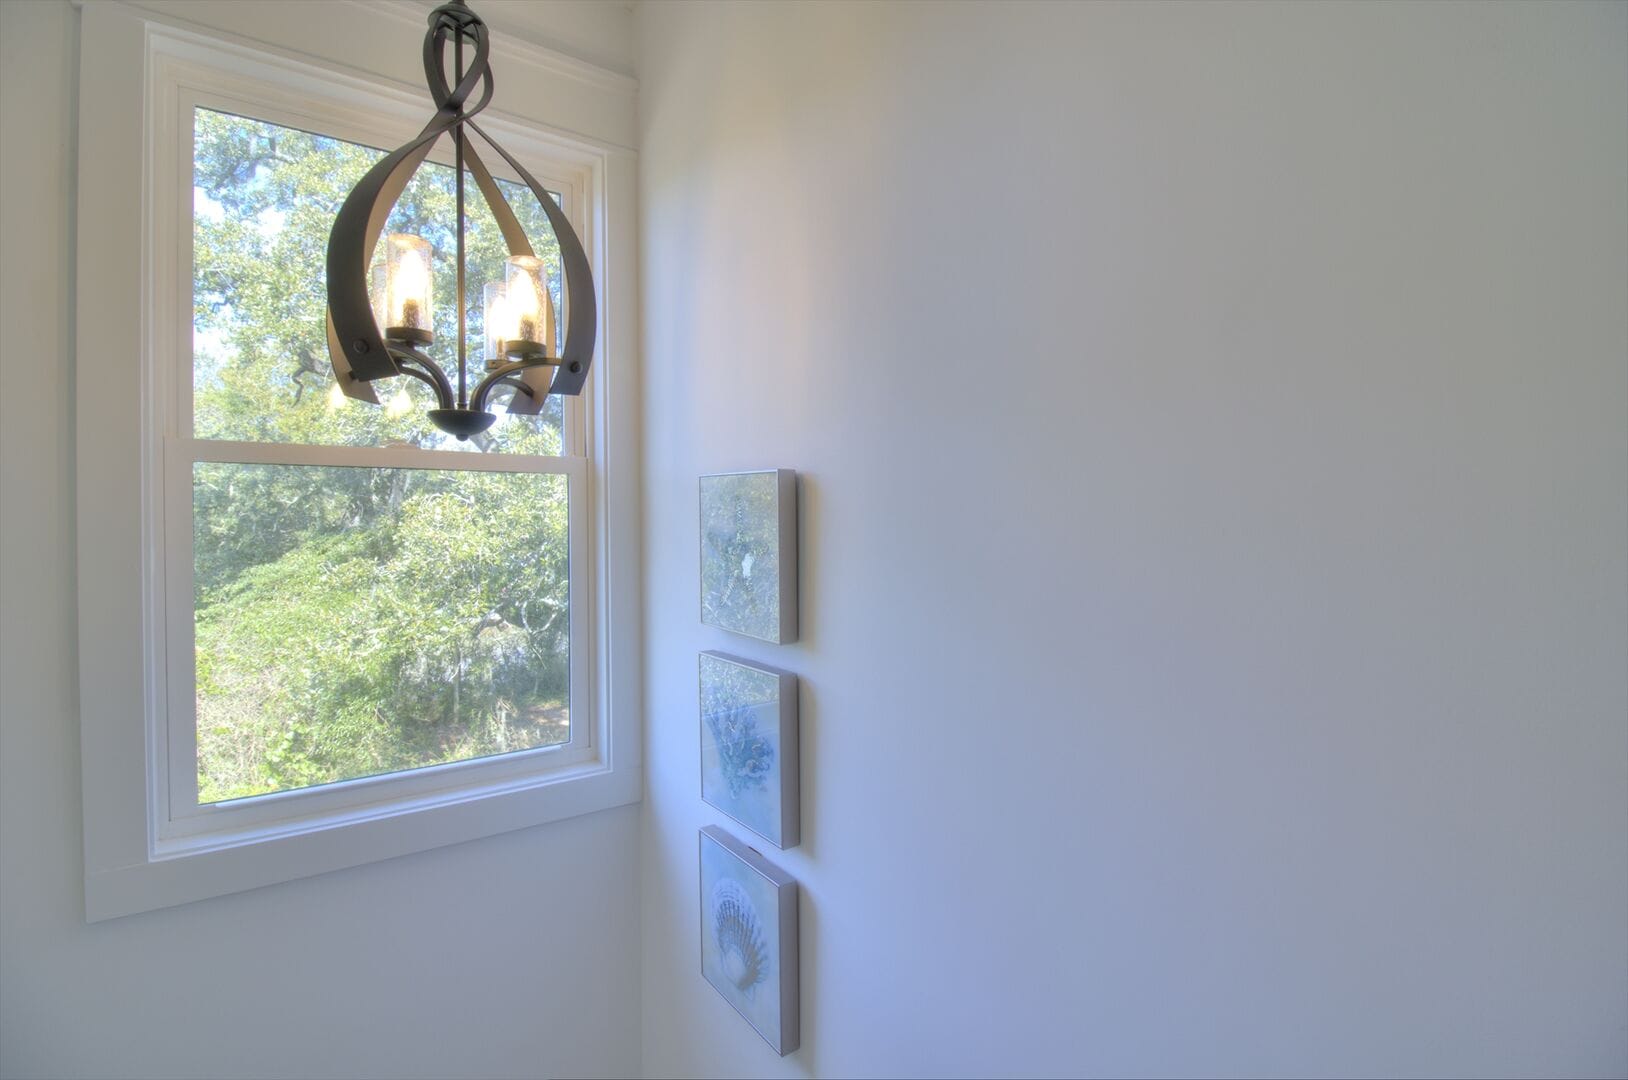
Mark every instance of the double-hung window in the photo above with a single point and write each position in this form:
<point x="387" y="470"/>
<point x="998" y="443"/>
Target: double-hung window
<point x="355" y="635"/>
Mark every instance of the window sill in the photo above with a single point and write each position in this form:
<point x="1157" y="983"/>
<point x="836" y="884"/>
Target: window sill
<point x="225" y="863"/>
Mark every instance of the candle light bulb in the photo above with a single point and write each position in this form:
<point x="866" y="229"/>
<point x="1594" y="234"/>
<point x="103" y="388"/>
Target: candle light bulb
<point x="502" y="316"/>
<point x="412" y="275"/>
<point x="400" y="405"/>
<point x="526" y="307"/>
<point x="499" y="324"/>
<point x="530" y="306"/>
<point x="336" y="397"/>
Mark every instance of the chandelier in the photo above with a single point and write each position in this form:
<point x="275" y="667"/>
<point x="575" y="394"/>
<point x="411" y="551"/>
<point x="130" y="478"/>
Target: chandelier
<point x="385" y="335"/>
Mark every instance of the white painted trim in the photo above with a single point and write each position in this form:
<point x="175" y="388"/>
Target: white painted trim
<point x="124" y="672"/>
<point x="127" y="888"/>
<point x="541" y="68"/>
<point x="373" y="457"/>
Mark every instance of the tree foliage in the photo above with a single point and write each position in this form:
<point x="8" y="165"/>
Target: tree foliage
<point x="352" y="621"/>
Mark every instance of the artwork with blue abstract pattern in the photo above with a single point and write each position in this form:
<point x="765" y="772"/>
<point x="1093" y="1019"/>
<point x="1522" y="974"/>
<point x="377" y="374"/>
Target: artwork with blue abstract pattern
<point x="749" y="553"/>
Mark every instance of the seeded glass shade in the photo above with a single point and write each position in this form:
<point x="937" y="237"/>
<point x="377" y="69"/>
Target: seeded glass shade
<point x="498" y="324"/>
<point x="530" y="307"/>
<point x="408" y="310"/>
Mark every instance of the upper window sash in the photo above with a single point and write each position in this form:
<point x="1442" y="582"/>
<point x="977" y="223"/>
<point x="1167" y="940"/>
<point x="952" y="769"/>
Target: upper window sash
<point x="185" y="87"/>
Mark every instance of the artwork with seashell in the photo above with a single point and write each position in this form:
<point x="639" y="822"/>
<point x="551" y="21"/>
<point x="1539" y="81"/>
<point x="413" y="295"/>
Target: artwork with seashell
<point x="749" y="936"/>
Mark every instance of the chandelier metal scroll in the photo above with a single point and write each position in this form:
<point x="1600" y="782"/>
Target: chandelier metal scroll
<point x="385" y="335"/>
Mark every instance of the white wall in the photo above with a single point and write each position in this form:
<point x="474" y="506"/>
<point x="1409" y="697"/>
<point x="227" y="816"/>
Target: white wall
<point x="599" y="32"/>
<point x="1214" y="429"/>
<point x="450" y="963"/>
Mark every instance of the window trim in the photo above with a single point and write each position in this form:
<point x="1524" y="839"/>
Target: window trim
<point x="135" y="857"/>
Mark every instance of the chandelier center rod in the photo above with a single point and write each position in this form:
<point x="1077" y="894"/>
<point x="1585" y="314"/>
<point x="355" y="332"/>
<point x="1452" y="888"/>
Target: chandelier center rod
<point x="458" y="154"/>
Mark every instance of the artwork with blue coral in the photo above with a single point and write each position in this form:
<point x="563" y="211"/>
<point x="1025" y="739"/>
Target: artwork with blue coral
<point x="748" y="936"/>
<point x="748" y="744"/>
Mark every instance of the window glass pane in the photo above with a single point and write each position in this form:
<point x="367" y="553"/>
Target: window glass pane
<point x="352" y="621"/>
<point x="264" y="202"/>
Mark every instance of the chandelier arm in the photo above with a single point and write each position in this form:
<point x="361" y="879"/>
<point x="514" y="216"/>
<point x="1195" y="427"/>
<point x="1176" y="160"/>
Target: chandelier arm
<point x="519" y="387"/>
<point x="427" y="371"/>
<point x="394" y="185"/>
<point x="349" y="383"/>
<point x="507" y="371"/>
<point x="581" y="309"/>
<point x="522" y="392"/>
<point x="536" y="381"/>
<point x="514" y="236"/>
<point x="365" y="356"/>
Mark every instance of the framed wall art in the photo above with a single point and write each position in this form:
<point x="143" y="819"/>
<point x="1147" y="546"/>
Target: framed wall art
<point x="749" y="553"/>
<point x="749" y="766"/>
<point x="749" y="936"/>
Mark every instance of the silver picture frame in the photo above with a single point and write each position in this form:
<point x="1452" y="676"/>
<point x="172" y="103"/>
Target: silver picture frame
<point x="749" y="936"/>
<point x="749" y="741"/>
<point x="748" y="556"/>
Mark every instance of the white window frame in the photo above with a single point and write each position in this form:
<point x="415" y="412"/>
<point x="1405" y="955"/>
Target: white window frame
<point x="181" y="86"/>
<point x="148" y="843"/>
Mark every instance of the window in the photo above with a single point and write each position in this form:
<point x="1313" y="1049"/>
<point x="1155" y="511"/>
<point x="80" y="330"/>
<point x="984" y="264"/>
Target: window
<point x="350" y="619"/>
<point x="357" y="636"/>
